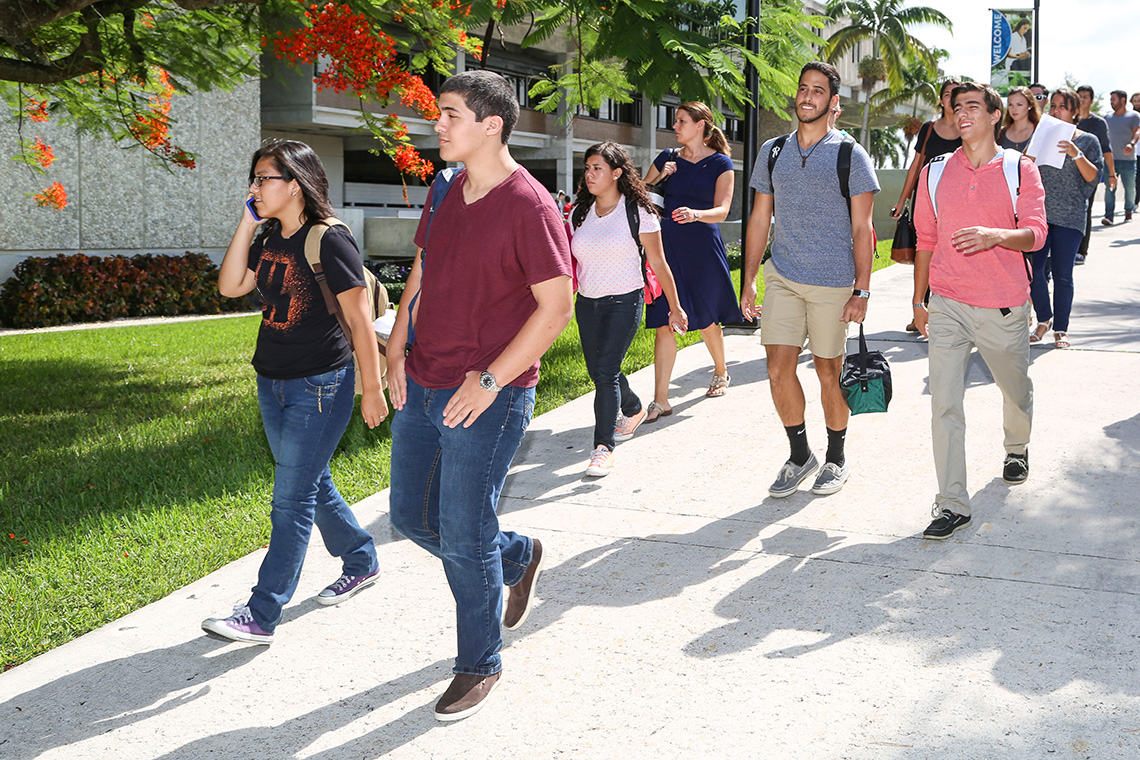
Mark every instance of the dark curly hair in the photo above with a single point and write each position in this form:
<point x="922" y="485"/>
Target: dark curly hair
<point x="629" y="183"/>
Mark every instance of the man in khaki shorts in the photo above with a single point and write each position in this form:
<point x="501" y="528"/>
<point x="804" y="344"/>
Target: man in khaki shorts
<point x="822" y="244"/>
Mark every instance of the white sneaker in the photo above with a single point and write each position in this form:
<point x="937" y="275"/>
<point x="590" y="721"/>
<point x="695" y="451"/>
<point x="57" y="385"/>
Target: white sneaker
<point x="601" y="463"/>
<point x="831" y="478"/>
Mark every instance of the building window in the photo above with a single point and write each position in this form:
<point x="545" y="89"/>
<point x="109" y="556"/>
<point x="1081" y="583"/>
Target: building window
<point x="734" y="129"/>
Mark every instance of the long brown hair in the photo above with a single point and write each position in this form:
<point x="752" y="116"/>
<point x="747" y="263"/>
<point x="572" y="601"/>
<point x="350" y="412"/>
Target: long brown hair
<point x="295" y="160"/>
<point x="714" y="138"/>
<point x="1034" y="115"/>
<point x="629" y="183"/>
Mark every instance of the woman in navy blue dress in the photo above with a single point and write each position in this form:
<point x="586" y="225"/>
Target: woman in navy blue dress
<point x="698" y="195"/>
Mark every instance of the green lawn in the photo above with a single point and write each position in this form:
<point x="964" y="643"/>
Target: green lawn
<point x="134" y="463"/>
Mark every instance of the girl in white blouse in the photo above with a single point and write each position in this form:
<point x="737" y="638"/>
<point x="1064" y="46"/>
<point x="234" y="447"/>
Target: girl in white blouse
<point x="610" y="274"/>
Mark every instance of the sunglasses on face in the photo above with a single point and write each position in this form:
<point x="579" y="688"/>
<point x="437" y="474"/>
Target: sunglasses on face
<point x="1040" y="97"/>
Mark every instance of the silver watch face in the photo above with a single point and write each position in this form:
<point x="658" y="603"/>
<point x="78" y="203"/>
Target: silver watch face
<point x="487" y="381"/>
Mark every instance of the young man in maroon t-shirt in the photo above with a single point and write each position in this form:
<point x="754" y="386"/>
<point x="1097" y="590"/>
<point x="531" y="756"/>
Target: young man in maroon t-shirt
<point x="494" y="292"/>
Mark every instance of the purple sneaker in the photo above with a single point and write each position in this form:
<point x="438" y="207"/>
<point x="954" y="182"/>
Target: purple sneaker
<point x="240" y="626"/>
<point x="346" y="586"/>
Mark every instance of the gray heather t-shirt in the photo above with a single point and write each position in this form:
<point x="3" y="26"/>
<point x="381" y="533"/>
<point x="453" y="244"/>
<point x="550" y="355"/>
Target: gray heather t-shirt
<point x="811" y="238"/>
<point x="1120" y="133"/>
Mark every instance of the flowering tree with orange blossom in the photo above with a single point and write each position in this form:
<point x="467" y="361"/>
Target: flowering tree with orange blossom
<point x="112" y="67"/>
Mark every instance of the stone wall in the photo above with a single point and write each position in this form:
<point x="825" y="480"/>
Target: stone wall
<point x="125" y="201"/>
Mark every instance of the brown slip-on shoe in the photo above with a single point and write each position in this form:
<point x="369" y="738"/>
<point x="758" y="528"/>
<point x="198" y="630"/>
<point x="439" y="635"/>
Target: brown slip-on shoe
<point x="521" y="596"/>
<point x="465" y="696"/>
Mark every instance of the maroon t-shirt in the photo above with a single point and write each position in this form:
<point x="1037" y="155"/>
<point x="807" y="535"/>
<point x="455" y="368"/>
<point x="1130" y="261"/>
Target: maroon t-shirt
<point x="478" y="268"/>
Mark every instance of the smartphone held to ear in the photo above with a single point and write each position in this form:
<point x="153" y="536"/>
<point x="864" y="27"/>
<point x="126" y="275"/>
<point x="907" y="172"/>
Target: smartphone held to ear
<point x="252" y="209"/>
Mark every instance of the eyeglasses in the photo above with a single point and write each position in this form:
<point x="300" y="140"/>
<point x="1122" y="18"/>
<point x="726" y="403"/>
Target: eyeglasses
<point x="256" y="181"/>
<point x="1040" y="97"/>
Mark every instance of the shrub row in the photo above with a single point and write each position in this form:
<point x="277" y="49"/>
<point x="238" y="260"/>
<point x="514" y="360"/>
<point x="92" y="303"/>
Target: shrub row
<point x="56" y="290"/>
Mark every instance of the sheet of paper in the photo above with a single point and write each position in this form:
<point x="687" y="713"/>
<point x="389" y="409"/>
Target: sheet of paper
<point x="1043" y="147"/>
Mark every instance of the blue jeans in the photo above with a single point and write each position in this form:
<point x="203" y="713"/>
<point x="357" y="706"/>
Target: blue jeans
<point x="1127" y="172"/>
<point x="304" y="420"/>
<point x="606" y="327"/>
<point x="445" y="490"/>
<point x="1061" y="247"/>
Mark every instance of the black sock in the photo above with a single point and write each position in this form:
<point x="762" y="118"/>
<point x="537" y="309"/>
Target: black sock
<point x="835" y="446"/>
<point x="797" y="436"/>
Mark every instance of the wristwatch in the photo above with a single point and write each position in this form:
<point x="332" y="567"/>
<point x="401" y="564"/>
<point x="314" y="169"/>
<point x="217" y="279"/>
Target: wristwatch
<point x="861" y="293"/>
<point x="487" y="382"/>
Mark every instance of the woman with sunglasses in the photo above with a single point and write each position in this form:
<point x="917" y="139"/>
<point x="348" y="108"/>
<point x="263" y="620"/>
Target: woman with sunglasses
<point x="305" y="378"/>
<point x="1067" y="191"/>
<point x="935" y="137"/>
<point x="1021" y="118"/>
<point x="608" y="308"/>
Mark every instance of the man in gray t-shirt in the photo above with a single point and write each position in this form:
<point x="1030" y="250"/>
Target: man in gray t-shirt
<point x="821" y="246"/>
<point x="1123" y="135"/>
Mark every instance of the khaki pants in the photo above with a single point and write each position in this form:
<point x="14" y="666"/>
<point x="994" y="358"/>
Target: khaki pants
<point x="1003" y="343"/>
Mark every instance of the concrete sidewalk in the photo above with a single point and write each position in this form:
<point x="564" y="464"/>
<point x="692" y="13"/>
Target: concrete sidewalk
<point x="684" y="613"/>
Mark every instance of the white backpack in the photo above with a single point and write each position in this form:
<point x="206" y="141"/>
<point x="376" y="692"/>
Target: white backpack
<point x="1011" y="168"/>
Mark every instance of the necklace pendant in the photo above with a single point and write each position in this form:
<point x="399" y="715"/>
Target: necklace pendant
<point x="803" y="162"/>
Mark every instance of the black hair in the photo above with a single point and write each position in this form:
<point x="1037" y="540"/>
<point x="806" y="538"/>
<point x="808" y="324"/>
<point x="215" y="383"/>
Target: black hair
<point x="487" y="94"/>
<point x="1089" y="90"/>
<point x="827" y="70"/>
<point x="295" y="160"/>
<point x="1120" y="94"/>
<point x="630" y="184"/>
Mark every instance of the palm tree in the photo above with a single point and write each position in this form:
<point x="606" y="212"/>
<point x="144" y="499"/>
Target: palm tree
<point x="886" y="24"/>
<point x="920" y="84"/>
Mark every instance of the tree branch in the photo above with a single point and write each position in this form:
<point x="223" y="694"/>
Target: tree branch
<point x="84" y="59"/>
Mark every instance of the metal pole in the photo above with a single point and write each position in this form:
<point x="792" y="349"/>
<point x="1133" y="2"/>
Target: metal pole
<point x="751" y="142"/>
<point x="1036" y="40"/>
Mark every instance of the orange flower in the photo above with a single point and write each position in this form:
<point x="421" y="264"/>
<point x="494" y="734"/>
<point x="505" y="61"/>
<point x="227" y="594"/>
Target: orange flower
<point x="53" y="197"/>
<point x="42" y="153"/>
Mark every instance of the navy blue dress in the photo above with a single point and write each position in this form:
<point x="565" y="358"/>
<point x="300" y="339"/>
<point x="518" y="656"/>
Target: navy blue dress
<point x="695" y="251"/>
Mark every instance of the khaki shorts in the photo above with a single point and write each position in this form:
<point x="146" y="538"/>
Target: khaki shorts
<point x="794" y="312"/>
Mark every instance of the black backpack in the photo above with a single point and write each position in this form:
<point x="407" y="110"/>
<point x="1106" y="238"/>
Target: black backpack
<point x="842" y="165"/>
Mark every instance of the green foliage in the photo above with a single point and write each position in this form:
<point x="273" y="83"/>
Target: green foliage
<point x="696" y="50"/>
<point x="78" y="288"/>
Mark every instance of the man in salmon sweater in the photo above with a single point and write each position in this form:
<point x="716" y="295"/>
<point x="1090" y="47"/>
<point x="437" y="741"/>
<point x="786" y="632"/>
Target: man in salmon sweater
<point x="970" y="252"/>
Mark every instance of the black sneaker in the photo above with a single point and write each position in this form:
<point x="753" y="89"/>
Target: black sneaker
<point x="1015" y="471"/>
<point x="945" y="524"/>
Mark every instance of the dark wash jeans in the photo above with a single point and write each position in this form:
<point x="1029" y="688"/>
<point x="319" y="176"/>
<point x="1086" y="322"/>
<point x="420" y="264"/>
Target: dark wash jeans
<point x="1061" y="250"/>
<point x="445" y="491"/>
<point x="304" y="420"/>
<point x="606" y="327"/>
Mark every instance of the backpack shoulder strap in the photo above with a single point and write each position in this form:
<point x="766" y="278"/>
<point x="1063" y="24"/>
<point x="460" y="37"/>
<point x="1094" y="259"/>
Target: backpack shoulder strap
<point x="313" y="242"/>
<point x="439" y="190"/>
<point x="843" y="167"/>
<point x="1011" y="167"/>
<point x="934" y="170"/>
<point x="774" y="153"/>
<point x="633" y="216"/>
<point x="313" y="256"/>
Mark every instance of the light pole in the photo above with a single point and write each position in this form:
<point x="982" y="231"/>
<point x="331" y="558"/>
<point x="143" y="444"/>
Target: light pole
<point x="751" y="143"/>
